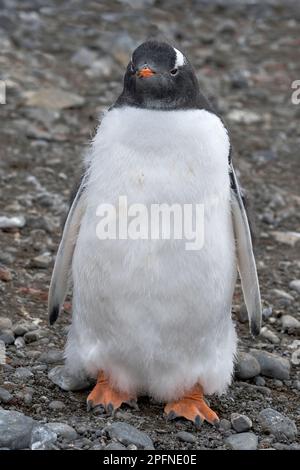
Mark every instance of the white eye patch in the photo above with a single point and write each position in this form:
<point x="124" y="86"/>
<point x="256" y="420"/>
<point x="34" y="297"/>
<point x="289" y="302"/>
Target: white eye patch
<point x="180" y="60"/>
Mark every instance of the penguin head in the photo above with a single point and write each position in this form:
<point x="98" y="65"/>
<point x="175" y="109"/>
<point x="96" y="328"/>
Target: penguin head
<point x="159" y="77"/>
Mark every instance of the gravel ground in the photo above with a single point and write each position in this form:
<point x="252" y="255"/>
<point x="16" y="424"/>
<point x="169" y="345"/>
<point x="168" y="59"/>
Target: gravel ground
<point x="63" y="64"/>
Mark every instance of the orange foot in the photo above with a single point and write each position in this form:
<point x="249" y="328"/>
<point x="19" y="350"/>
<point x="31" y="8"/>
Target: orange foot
<point x="192" y="407"/>
<point x="103" y="395"/>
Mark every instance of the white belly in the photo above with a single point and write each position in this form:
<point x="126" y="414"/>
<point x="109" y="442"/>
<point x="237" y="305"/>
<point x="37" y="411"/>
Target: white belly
<point x="152" y="314"/>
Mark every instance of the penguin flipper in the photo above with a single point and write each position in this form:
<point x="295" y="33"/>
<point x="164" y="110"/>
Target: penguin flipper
<point x="245" y="256"/>
<point x="60" y="275"/>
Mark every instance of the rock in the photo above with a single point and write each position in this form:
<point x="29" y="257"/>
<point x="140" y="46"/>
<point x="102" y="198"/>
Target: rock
<point x="3" y="354"/>
<point x="23" y="327"/>
<point x="56" y="405"/>
<point x="127" y="434"/>
<point x="247" y="366"/>
<point x="52" y="98"/>
<point x="281" y="294"/>
<point x="63" y="430"/>
<point x="290" y="324"/>
<point x="53" y="356"/>
<point x="295" y="359"/>
<point x="7" y="337"/>
<point x="282" y="427"/>
<point x="61" y="377"/>
<point x="186" y="437"/>
<point x="12" y="222"/>
<point x="115" y="446"/>
<point x="264" y="156"/>
<point x="84" y="57"/>
<point x="269" y="335"/>
<point x="5" y="396"/>
<point x="267" y="313"/>
<point x="5" y="323"/>
<point x="295" y="285"/>
<point x="240" y="423"/>
<point x="244" y="117"/>
<point x="42" y="438"/>
<point x="287" y="238"/>
<point x="42" y="261"/>
<point x="272" y="365"/>
<point x="15" y="430"/>
<point x="35" y="335"/>
<point x="259" y="381"/>
<point x="242" y="441"/>
<point x="23" y="373"/>
<point x="5" y="274"/>
<point x="19" y="342"/>
<point x="224" y="425"/>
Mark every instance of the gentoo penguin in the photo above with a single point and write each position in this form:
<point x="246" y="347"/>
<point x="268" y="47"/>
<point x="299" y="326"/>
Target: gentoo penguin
<point x="151" y="317"/>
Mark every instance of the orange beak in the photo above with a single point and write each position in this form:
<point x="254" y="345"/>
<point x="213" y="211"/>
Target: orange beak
<point x="145" y="72"/>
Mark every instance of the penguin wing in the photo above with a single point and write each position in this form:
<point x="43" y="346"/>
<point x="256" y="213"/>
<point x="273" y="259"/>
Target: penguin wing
<point x="60" y="276"/>
<point x="245" y="257"/>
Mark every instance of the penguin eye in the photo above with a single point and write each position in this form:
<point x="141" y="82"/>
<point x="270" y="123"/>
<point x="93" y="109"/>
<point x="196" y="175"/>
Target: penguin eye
<point x="174" y="72"/>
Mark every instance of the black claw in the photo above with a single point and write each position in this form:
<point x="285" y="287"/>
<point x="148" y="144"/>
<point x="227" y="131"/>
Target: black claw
<point x="89" y="405"/>
<point x="110" y="409"/>
<point x="172" y="415"/>
<point x="133" y="404"/>
<point x="198" y="422"/>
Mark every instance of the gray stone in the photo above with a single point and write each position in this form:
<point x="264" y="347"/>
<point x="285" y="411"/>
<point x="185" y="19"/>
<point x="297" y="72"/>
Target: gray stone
<point x="53" y="356"/>
<point x="282" y="427"/>
<point x="12" y="222"/>
<point x="287" y="238"/>
<point x="224" y="425"/>
<point x="272" y="365"/>
<point x="269" y="335"/>
<point x="5" y="323"/>
<point x="247" y="366"/>
<point x="35" y="335"/>
<point x="21" y="328"/>
<point x="127" y="434"/>
<point x="295" y="285"/>
<point x="63" y="430"/>
<point x="115" y="446"/>
<point x="7" y="337"/>
<point x="42" y="261"/>
<point x="267" y="313"/>
<point x="61" y="377"/>
<point x="295" y="359"/>
<point x="281" y="294"/>
<point x="15" y="430"/>
<point x="240" y="423"/>
<point x="242" y="314"/>
<point x="84" y="57"/>
<point x="42" y="438"/>
<point x="19" y="342"/>
<point x="5" y="396"/>
<point x="290" y="324"/>
<point x="53" y="98"/>
<point x="23" y="373"/>
<point x="56" y="405"/>
<point x="186" y="437"/>
<point x="242" y="441"/>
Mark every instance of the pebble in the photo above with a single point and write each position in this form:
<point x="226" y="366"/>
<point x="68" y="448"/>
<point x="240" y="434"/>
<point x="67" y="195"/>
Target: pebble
<point x="56" y="405"/>
<point x="267" y="313"/>
<point x="19" y="342"/>
<point x="240" y="423"/>
<point x="84" y="57"/>
<point x="42" y="261"/>
<point x="63" y="430"/>
<point x="295" y="285"/>
<point x="247" y="366"/>
<point x="295" y="359"/>
<point x="272" y="365"/>
<point x="244" y="116"/>
<point x="5" y="274"/>
<point x="114" y="446"/>
<point x="5" y="396"/>
<point x="42" y="438"/>
<point x="61" y="377"/>
<point x="23" y="373"/>
<point x="12" y="222"/>
<point x="20" y="329"/>
<point x="186" y="437"/>
<point x="15" y="430"/>
<point x="52" y="98"/>
<point x="290" y="324"/>
<point x="287" y="238"/>
<point x="242" y="441"/>
<point x="260" y="381"/>
<point x="224" y="425"/>
<point x="282" y="427"/>
<point x="281" y="294"/>
<point x="35" y="335"/>
<point x="127" y="434"/>
<point x="5" y="323"/>
<point x="242" y="314"/>
<point x="7" y="337"/>
<point x="269" y="335"/>
<point x="53" y="356"/>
